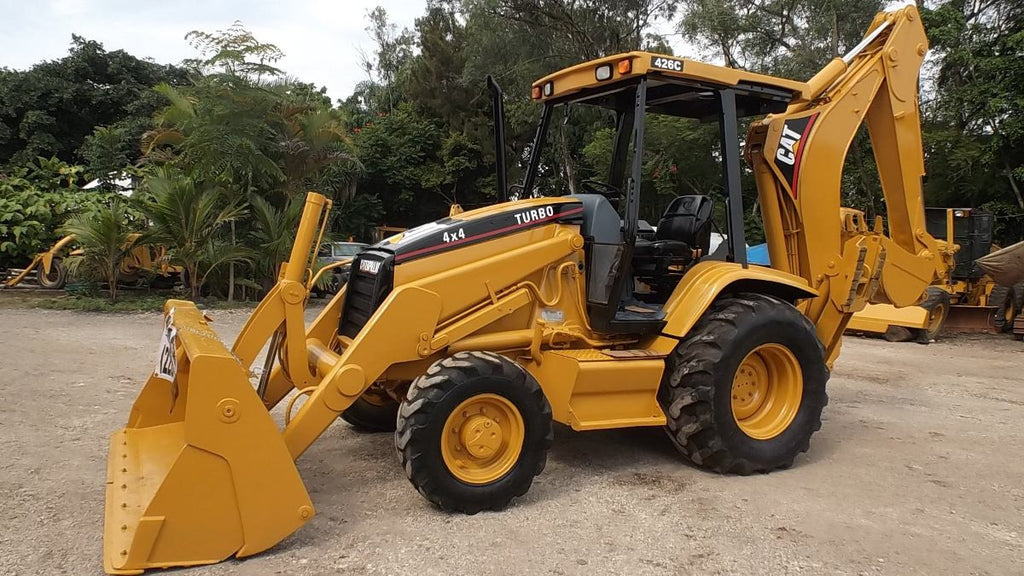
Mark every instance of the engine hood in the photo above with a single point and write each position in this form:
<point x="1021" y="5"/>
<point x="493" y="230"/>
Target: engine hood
<point x="480" y="225"/>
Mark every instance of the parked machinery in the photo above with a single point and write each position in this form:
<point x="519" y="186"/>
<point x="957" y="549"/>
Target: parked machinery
<point x="964" y="298"/>
<point x="139" y="261"/>
<point x="483" y="328"/>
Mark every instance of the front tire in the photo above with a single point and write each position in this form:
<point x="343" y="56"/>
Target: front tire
<point x="57" y="277"/>
<point x="374" y="411"/>
<point x="473" y="432"/>
<point x="936" y="303"/>
<point x="744" y="391"/>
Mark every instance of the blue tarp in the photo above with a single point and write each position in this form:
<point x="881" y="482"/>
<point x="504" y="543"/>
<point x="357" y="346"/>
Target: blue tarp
<point x="758" y="254"/>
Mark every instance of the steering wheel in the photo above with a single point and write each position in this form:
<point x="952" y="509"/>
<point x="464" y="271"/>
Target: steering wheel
<point x="610" y="192"/>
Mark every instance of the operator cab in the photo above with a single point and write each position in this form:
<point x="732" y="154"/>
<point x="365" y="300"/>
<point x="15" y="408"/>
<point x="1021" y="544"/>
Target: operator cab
<point x="633" y="87"/>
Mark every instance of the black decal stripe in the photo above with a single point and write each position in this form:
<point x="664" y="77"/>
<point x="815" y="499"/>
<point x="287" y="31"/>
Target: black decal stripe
<point x="800" y="154"/>
<point x="488" y="234"/>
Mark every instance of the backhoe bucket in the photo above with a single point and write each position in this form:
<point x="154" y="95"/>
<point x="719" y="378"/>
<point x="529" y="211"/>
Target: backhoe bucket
<point x="201" y="472"/>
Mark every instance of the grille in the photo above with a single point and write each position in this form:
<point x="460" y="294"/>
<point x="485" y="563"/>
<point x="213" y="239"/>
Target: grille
<point x="365" y="291"/>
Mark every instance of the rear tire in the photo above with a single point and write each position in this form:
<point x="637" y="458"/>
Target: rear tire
<point x="473" y="432"/>
<point x="936" y="303"/>
<point x="706" y="391"/>
<point x="56" y="279"/>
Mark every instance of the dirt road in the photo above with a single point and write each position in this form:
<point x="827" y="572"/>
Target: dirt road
<point x="918" y="469"/>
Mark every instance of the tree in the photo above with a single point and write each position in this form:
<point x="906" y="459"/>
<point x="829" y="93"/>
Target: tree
<point x="390" y="57"/>
<point x="974" y="122"/>
<point x="316" y="151"/>
<point x="103" y="239"/>
<point x="680" y="157"/>
<point x="245" y="129"/>
<point x="109" y="151"/>
<point x="35" y="202"/>
<point x="50" y="109"/>
<point x="789" y="38"/>
<point x="271" y="236"/>
<point x="588" y="29"/>
<point x="190" y="219"/>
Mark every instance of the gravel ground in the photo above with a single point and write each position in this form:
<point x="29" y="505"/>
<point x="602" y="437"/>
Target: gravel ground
<point x="917" y="470"/>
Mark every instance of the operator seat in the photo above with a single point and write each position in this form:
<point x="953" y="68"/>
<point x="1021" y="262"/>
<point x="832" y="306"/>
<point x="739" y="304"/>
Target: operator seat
<point x="688" y="219"/>
<point x="683" y="236"/>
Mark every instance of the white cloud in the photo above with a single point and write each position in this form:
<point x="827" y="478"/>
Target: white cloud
<point x="321" y="39"/>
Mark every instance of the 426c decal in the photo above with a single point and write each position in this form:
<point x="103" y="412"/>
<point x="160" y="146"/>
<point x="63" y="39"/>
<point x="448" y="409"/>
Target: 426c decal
<point x="663" y="63"/>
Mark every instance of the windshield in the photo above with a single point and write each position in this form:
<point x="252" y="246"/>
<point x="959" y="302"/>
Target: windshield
<point x="348" y="249"/>
<point x="648" y="141"/>
<point x="587" y="144"/>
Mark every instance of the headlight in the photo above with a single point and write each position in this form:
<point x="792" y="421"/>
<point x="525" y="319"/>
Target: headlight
<point x="603" y="72"/>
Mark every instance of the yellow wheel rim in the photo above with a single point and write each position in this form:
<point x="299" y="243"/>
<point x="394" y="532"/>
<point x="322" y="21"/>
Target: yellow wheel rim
<point x="935" y="317"/>
<point x="482" y="439"/>
<point x="766" y="391"/>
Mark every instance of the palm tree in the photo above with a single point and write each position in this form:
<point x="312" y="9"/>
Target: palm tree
<point x="271" y="235"/>
<point x="190" y="219"/>
<point x="103" y="239"/>
<point x="317" y="151"/>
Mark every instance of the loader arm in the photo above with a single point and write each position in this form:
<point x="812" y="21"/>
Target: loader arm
<point x="798" y="159"/>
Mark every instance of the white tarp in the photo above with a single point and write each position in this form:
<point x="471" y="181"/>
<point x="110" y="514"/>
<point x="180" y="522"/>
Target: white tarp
<point x="1005" y="266"/>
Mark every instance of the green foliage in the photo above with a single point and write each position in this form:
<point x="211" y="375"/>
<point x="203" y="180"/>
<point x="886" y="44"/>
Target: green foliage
<point x="587" y="29"/>
<point x="35" y="201"/>
<point x="679" y="158"/>
<point x="241" y="129"/>
<point x="191" y="220"/>
<point x="126" y="302"/>
<point x="109" y="152"/>
<point x="389" y="62"/>
<point x="974" y="130"/>
<point x="234" y="53"/>
<point x="271" y="235"/>
<point x="218" y="131"/>
<point x="315" y="149"/>
<point x="52" y="108"/>
<point x="230" y="144"/>
<point x="357" y="215"/>
<point x="102" y="237"/>
<point x="396" y="151"/>
<point x="788" y="38"/>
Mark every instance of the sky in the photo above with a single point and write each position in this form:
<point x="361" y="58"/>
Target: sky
<point x="321" y="39"/>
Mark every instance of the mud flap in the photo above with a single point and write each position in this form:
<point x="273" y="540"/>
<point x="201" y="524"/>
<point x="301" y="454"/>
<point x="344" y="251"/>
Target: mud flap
<point x="201" y="472"/>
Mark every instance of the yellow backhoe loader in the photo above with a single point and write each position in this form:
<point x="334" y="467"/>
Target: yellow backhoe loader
<point x="474" y="333"/>
<point x="140" y="260"/>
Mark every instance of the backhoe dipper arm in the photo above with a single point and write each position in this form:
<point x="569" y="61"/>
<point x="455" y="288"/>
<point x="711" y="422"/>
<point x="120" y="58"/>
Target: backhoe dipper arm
<point x="798" y="159"/>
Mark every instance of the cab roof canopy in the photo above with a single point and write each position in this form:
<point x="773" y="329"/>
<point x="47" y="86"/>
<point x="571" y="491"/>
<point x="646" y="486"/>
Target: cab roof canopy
<point x="675" y="86"/>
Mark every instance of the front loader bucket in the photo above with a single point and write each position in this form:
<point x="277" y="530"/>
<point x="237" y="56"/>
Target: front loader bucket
<point x="201" y="472"/>
<point x="971" y="319"/>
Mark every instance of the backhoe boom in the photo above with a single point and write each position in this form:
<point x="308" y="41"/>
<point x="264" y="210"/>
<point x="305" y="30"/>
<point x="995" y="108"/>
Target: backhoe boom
<point x="798" y="159"/>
